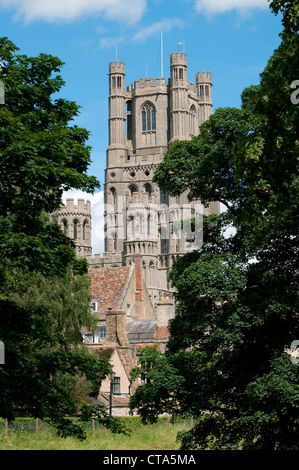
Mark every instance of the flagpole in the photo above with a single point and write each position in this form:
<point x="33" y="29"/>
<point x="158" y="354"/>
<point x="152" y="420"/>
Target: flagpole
<point x="161" y="54"/>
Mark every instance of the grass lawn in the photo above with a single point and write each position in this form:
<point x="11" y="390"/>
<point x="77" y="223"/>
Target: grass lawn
<point x="159" y="436"/>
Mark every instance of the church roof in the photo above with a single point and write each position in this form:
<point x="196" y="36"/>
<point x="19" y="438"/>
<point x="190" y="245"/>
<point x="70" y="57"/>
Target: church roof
<point x="141" y="330"/>
<point x="108" y="286"/>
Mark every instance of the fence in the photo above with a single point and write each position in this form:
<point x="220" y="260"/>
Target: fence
<point x="32" y="425"/>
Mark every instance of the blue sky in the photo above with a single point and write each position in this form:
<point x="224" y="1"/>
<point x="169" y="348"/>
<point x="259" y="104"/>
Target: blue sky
<point x="233" y="39"/>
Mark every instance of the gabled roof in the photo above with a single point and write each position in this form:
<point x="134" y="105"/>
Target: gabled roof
<point x="109" y="285"/>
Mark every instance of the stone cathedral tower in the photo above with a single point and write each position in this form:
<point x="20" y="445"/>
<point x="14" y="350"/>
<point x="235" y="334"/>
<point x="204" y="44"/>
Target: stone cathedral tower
<point x="143" y="119"/>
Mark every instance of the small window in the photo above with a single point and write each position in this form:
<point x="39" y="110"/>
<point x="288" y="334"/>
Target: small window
<point x="88" y="338"/>
<point x="102" y="332"/>
<point x="113" y="195"/>
<point x="148" y="189"/>
<point x="133" y="189"/>
<point x="76" y="223"/>
<point x="116" y="386"/>
<point x="181" y="74"/>
<point x="118" y="82"/>
<point x="162" y="196"/>
<point x="163" y="246"/>
<point x="114" y="238"/>
<point x="94" y="305"/>
<point x="131" y="226"/>
<point x="163" y="239"/>
<point x="64" y="227"/>
<point x="84" y="229"/>
<point x="128" y="310"/>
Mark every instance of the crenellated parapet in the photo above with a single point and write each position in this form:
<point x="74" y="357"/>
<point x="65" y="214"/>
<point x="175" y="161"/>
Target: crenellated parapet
<point x="204" y="87"/>
<point x="178" y="58"/>
<point x="204" y="77"/>
<point x="81" y="206"/>
<point x="204" y="95"/>
<point x="147" y="82"/>
<point x="74" y="220"/>
<point x="117" y="67"/>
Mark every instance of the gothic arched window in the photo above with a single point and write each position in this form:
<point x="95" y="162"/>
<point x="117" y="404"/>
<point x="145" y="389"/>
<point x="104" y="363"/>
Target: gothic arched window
<point x="152" y="273"/>
<point x="148" y="117"/>
<point x="163" y="196"/>
<point x="133" y="189"/>
<point x="131" y="227"/>
<point x="113" y="194"/>
<point x="84" y="229"/>
<point x="64" y="226"/>
<point x="148" y="189"/>
<point x="114" y="238"/>
<point x="163" y="239"/>
<point x="76" y="224"/>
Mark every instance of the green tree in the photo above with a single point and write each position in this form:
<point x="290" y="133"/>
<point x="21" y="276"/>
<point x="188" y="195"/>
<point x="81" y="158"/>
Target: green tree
<point x="160" y="380"/>
<point x="41" y="156"/>
<point x="237" y="298"/>
<point x="44" y="289"/>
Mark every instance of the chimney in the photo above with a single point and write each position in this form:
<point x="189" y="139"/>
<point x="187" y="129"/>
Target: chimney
<point x="139" y="294"/>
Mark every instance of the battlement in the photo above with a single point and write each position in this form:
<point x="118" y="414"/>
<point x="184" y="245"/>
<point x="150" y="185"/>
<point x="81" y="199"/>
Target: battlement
<point x="81" y="206"/>
<point x="178" y="58"/>
<point x="117" y="67"/>
<point x="147" y="82"/>
<point x="95" y="261"/>
<point x="205" y="77"/>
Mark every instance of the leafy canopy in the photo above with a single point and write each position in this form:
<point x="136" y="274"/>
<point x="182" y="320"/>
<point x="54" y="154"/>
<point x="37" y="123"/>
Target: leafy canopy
<point x="44" y="288"/>
<point x="237" y="298"/>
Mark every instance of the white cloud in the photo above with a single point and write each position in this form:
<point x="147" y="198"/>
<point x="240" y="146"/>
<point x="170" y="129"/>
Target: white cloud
<point x="128" y="11"/>
<point x="164" y="25"/>
<point x="211" y="7"/>
<point x="144" y="33"/>
<point x="107" y="42"/>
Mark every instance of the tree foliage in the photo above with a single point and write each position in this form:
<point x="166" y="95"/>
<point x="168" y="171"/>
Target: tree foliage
<point x="41" y="156"/>
<point x="237" y="298"/>
<point x="44" y="288"/>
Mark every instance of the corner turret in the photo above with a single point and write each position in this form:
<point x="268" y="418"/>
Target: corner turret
<point x="75" y="222"/>
<point x="204" y="95"/>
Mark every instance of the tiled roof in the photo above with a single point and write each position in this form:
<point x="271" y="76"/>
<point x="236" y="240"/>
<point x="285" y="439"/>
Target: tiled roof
<point x="117" y="400"/>
<point x="108" y="285"/>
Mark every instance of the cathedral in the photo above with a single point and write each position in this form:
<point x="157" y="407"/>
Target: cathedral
<point x="144" y="118"/>
<point x="129" y="281"/>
